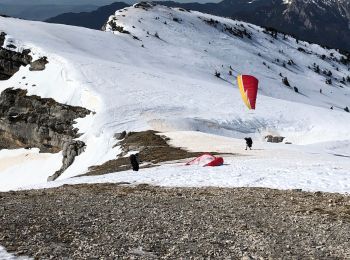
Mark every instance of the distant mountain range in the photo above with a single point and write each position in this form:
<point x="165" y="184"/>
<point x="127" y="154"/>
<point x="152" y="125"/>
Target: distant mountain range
<point x="93" y="20"/>
<point x="326" y="22"/>
<point x="41" y="12"/>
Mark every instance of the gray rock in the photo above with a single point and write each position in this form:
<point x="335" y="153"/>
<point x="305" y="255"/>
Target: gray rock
<point x="39" y="64"/>
<point x="2" y="38"/>
<point x="70" y="151"/>
<point x="11" y="61"/>
<point x="274" y="139"/>
<point x="120" y="136"/>
<point x="31" y="121"/>
<point x="144" y="5"/>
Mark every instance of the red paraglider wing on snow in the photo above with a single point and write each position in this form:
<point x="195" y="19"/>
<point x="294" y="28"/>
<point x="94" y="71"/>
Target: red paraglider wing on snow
<point x="218" y="161"/>
<point x="248" y="86"/>
<point x="202" y="160"/>
<point x="206" y="160"/>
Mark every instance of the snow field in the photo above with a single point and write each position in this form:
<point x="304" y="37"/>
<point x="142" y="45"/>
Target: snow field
<point x="169" y="85"/>
<point x="277" y="166"/>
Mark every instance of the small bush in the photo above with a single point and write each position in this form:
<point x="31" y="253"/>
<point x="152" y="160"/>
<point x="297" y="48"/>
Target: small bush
<point x="344" y="60"/>
<point x="317" y="69"/>
<point x="285" y="81"/>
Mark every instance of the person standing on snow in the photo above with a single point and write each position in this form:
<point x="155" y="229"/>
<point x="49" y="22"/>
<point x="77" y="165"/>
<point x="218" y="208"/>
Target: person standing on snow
<point x="249" y="143"/>
<point x="135" y="162"/>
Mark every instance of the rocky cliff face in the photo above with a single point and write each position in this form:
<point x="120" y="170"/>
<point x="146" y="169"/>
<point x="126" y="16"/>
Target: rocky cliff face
<point x="11" y="61"/>
<point x="31" y="121"/>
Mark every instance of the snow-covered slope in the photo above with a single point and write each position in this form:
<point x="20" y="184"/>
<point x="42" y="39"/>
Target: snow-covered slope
<point x="160" y="75"/>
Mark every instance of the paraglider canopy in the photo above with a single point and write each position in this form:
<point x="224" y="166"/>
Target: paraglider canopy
<point x="248" y="86"/>
<point x="206" y="159"/>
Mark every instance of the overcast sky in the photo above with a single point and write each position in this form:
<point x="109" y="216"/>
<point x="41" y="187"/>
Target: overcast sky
<point x="59" y="2"/>
<point x="79" y="2"/>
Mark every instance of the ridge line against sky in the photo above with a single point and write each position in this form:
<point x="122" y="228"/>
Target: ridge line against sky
<point x="83" y="2"/>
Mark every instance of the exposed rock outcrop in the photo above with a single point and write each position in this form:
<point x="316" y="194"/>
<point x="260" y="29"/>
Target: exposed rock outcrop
<point x="11" y="61"/>
<point x="70" y="151"/>
<point x="115" y="27"/>
<point x="39" y="64"/>
<point x="2" y="38"/>
<point x="144" y="5"/>
<point x="31" y="121"/>
<point x="120" y="136"/>
<point x="274" y="139"/>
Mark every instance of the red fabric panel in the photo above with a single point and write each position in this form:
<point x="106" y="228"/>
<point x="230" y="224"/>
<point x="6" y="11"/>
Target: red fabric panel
<point x="216" y="162"/>
<point x="204" y="158"/>
<point x="250" y="85"/>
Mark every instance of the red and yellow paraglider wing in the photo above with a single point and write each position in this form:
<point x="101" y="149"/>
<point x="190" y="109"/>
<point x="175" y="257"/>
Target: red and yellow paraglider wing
<point x="248" y="86"/>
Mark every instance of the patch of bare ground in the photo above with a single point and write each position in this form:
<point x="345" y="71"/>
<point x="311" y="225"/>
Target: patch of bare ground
<point x="153" y="149"/>
<point x="111" y="221"/>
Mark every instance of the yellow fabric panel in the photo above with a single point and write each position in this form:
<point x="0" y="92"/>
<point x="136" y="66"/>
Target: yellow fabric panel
<point x="241" y="89"/>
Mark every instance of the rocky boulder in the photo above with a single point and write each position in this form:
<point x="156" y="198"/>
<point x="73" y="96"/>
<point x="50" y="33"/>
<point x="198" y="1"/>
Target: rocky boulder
<point x="11" y="61"/>
<point x="70" y="151"/>
<point x="39" y="64"/>
<point x="31" y="121"/>
<point x="274" y="139"/>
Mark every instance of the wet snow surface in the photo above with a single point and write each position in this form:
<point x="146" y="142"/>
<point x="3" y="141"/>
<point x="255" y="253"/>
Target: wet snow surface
<point x="169" y="85"/>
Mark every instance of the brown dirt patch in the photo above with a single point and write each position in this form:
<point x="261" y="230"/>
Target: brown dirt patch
<point x="153" y="149"/>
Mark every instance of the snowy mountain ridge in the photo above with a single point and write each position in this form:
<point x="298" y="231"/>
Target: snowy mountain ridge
<point x="308" y="20"/>
<point x="257" y="54"/>
<point x="155" y="68"/>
